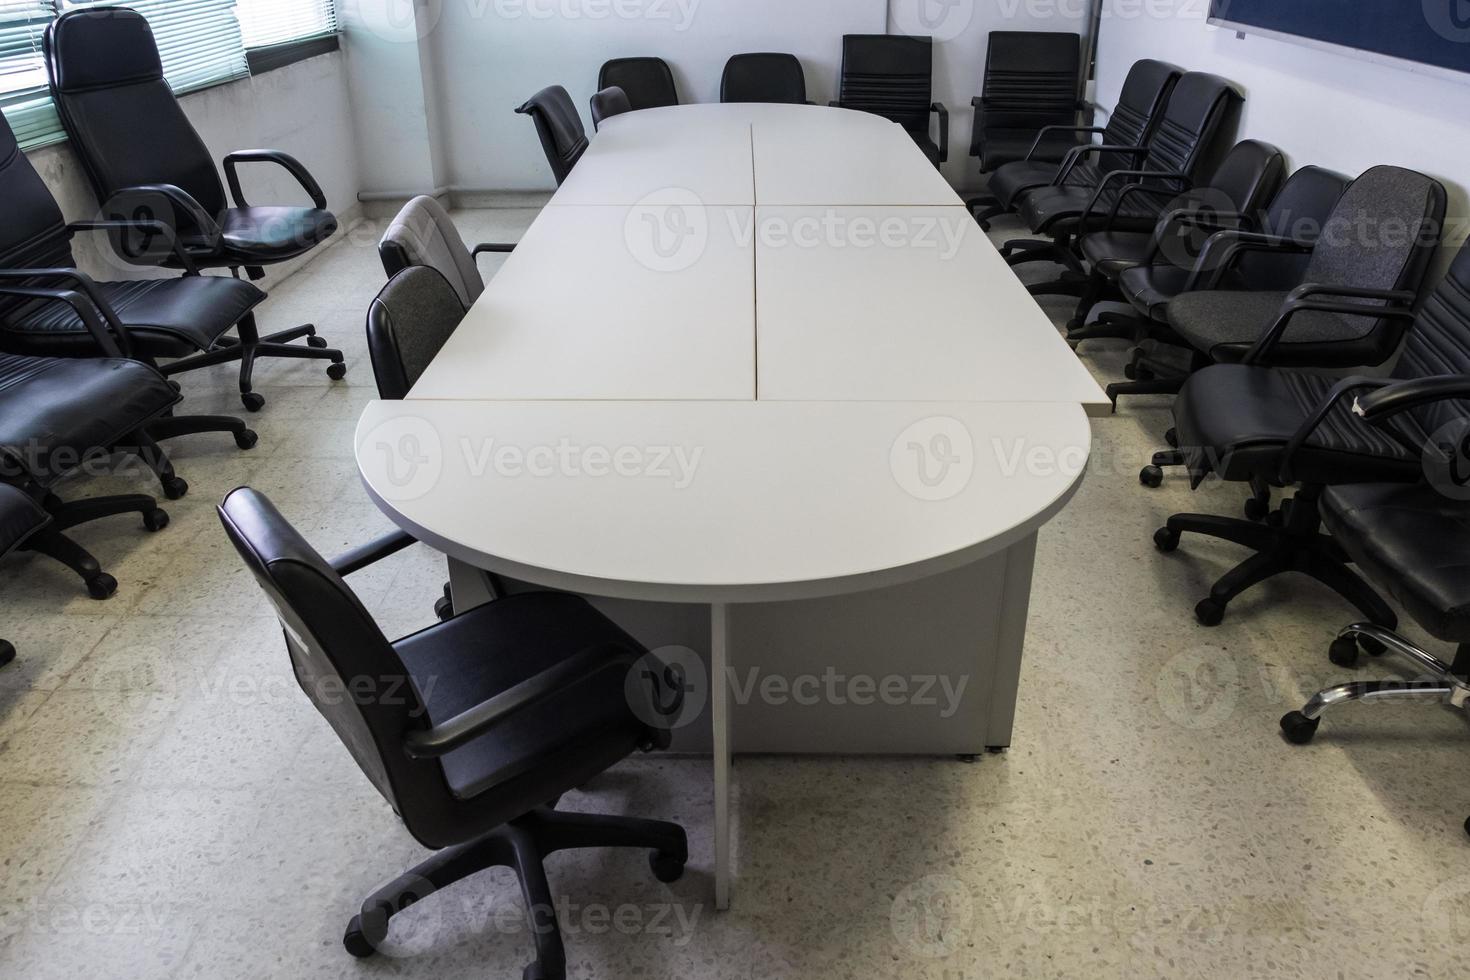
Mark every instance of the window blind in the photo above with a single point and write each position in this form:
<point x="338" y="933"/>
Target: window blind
<point x="23" y="94"/>
<point x="267" y="22"/>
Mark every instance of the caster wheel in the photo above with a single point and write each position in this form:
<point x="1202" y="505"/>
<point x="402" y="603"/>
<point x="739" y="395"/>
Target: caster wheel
<point x="1166" y="539"/>
<point x="1344" y="652"/>
<point x="1371" y="646"/>
<point x="7" y="652"/>
<point x="1298" y="728"/>
<point x="1210" y="612"/>
<point x="252" y="401"/>
<point x="1172" y="438"/>
<point x="174" y="488"/>
<point x="355" y="942"/>
<point x="155" y="519"/>
<point x="246" y="439"/>
<point x="667" y="868"/>
<point x="535" y="971"/>
<point x="1257" y="509"/>
<point x="101" y="586"/>
<point x="1130" y="371"/>
<point x="1467" y="826"/>
<point x="337" y="371"/>
<point x="444" y="609"/>
<point x="315" y="341"/>
<point x="1151" y="476"/>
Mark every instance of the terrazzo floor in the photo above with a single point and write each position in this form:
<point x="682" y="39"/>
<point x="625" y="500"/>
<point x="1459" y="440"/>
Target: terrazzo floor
<point x="173" y="807"/>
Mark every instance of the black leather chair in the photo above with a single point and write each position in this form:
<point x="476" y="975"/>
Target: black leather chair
<point x="1141" y="103"/>
<point x="20" y="519"/>
<point x="145" y="160"/>
<point x="422" y="233"/>
<point x="648" y="82"/>
<point x="1246" y="422"/>
<point x="1030" y="99"/>
<point x="563" y="137"/>
<point x="608" y="103"/>
<point x="1235" y="195"/>
<point x="472" y="729"/>
<point x="60" y="415"/>
<point x="764" y="77"/>
<point x="1130" y="199"/>
<point x="1413" y="542"/>
<point x="893" y="76"/>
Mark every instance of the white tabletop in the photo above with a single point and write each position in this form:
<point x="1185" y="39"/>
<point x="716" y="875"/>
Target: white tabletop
<point x="611" y="303"/>
<point x="720" y="501"/>
<point x="901" y="304"/>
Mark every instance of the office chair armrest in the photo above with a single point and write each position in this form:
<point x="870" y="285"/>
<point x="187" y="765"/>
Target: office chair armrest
<point x="1074" y="156"/>
<point x="1400" y="396"/>
<point x="371" y="553"/>
<point x="1305" y="430"/>
<point x="181" y="199"/>
<point x="440" y="740"/>
<point x="159" y="228"/>
<point x="1224" y="248"/>
<point x="491" y="247"/>
<point x="1057" y="127"/>
<point x="112" y="344"/>
<point x="291" y="164"/>
<point x="938" y="107"/>
<point x="1301" y="300"/>
<point x="1137" y="186"/>
<point x="1128" y="191"/>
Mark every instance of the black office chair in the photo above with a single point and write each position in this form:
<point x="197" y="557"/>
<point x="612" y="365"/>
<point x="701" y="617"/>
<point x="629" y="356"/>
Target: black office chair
<point x="145" y="160"/>
<point x="608" y="103"/>
<point x="893" y="76"/>
<point x="647" y="82"/>
<point x="1235" y="195"/>
<point x="1032" y="83"/>
<point x="1246" y="422"/>
<point x="471" y="729"/>
<point x="59" y="415"/>
<point x="1413" y="542"/>
<point x="563" y="137"/>
<point x="422" y="233"/>
<point x="1130" y="199"/>
<point x="764" y="77"/>
<point x="20" y="519"/>
<point x="1141" y="104"/>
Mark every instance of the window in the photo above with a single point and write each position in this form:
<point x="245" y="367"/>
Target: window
<point x="201" y="42"/>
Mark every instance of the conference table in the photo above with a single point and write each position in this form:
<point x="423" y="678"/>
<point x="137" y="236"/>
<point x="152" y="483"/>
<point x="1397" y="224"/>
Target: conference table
<point x="757" y="385"/>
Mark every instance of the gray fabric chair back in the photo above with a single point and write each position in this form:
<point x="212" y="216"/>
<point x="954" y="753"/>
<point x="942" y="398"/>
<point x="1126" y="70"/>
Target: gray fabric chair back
<point x="1382" y="233"/>
<point x="409" y="322"/>
<point x="424" y="234"/>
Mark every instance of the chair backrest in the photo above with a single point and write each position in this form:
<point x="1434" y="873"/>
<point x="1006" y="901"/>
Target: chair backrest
<point x="1248" y="178"/>
<point x="1193" y="118"/>
<point x="1031" y="79"/>
<point x="341" y="659"/>
<point x="764" y="77"/>
<point x="409" y="322"/>
<point x="1141" y="104"/>
<point x="1299" y="210"/>
<point x="33" y="234"/>
<point x="608" y="103"/>
<point x="648" y="82"/>
<point x="422" y="233"/>
<point x="890" y="75"/>
<point x="125" y="124"/>
<point x="1440" y="342"/>
<point x="560" y="128"/>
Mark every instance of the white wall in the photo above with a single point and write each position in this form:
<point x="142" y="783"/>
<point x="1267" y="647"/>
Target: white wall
<point x="1320" y="107"/>
<point x="302" y="109"/>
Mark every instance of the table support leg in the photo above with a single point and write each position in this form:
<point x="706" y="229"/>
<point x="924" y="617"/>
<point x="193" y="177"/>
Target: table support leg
<point x="468" y="586"/>
<point x="720" y="715"/>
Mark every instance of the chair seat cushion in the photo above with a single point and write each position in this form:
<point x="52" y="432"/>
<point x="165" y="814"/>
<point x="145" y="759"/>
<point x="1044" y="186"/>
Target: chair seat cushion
<point x="1008" y="182"/>
<point x="20" y="517"/>
<point x="1236" y="420"/>
<point x="165" y="317"/>
<point x="1414" y="542"/>
<point x="488" y="650"/>
<point x="1110" y="252"/>
<point x="271" y="234"/>
<point x="1150" y="288"/>
<point x="54" y="409"/>
<point x="1053" y="209"/>
<point x="1225" y="324"/>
